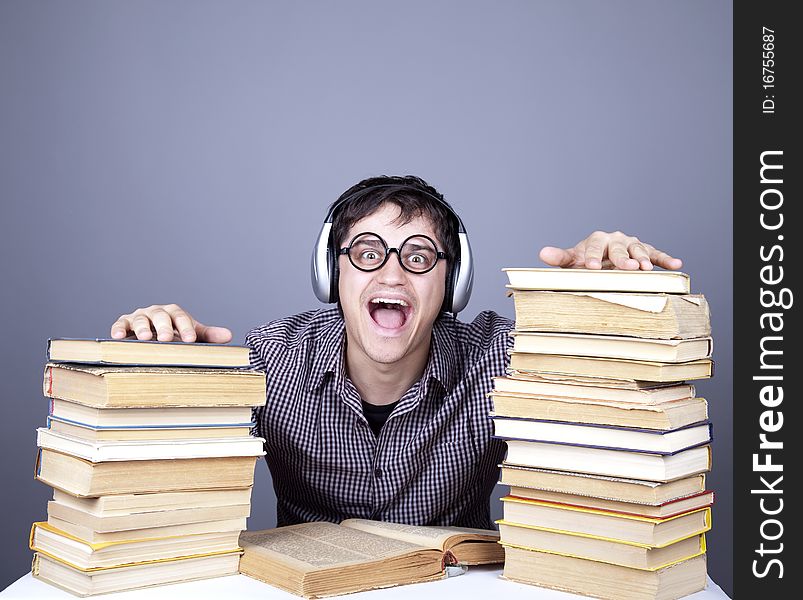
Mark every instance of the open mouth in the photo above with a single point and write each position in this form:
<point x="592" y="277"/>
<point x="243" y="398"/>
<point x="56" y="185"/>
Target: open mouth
<point x="389" y="313"/>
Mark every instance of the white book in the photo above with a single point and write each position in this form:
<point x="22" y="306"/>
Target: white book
<point x="603" y="436"/>
<point x="184" y="416"/>
<point x="103" y="451"/>
<point x="598" y="280"/>
<point x="613" y="463"/>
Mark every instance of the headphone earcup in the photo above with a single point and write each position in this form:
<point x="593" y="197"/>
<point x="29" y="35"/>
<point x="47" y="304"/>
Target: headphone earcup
<point x="334" y="276"/>
<point x="451" y="277"/>
<point x="322" y="268"/>
<point x="461" y="277"/>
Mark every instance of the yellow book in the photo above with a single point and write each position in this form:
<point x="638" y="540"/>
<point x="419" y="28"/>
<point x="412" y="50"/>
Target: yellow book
<point x="86" y="556"/>
<point x="601" y="549"/>
<point x="626" y="528"/>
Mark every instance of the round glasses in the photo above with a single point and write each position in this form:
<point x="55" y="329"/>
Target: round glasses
<point x="369" y="252"/>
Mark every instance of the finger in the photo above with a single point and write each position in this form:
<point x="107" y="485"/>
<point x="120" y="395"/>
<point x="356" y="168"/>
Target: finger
<point x="121" y="328"/>
<point x="595" y="250"/>
<point x="212" y="334"/>
<point x="638" y="252"/>
<point x="182" y="321"/>
<point x="141" y="326"/>
<point x="619" y="255"/>
<point x="557" y="257"/>
<point x="163" y="324"/>
<point x="662" y="259"/>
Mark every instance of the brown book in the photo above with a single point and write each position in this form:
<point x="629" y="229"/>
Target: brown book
<point x="604" y="580"/>
<point x="613" y="368"/>
<point x="661" y="316"/>
<point x="107" y="580"/>
<point x="147" y="387"/>
<point x="612" y="385"/>
<point x="664" y="416"/>
<point x="83" y="478"/>
<point x="359" y="555"/>
<point x="590" y="388"/>
<point x="601" y="486"/>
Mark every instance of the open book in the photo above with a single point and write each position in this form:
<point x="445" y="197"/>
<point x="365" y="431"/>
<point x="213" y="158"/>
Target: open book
<point x="326" y="559"/>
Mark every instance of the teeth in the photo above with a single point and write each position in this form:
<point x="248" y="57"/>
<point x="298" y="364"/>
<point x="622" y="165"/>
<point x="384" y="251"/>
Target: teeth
<point x="388" y="301"/>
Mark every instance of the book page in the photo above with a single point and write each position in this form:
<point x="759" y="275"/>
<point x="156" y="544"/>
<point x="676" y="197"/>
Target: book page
<point x="313" y="546"/>
<point x="429" y="536"/>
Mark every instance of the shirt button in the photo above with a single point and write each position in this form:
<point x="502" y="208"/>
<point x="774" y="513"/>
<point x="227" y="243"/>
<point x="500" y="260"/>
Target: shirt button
<point x="378" y="473"/>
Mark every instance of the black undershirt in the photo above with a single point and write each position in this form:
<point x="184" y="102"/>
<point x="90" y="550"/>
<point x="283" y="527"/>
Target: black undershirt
<point x="377" y="415"/>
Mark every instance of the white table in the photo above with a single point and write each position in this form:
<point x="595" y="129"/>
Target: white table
<point x="478" y="583"/>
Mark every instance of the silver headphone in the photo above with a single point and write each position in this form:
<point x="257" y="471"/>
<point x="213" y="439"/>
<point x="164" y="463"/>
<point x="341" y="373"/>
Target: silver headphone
<point x="459" y="280"/>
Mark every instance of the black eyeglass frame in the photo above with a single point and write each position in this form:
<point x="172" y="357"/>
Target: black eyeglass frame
<point x="439" y="254"/>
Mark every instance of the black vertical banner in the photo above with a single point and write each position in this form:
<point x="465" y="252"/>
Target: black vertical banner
<point x="767" y="172"/>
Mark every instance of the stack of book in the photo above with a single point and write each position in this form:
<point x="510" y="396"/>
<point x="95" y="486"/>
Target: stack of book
<point x="607" y="443"/>
<point x="149" y="452"/>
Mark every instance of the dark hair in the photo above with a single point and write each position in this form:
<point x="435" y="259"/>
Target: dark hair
<point x="411" y="194"/>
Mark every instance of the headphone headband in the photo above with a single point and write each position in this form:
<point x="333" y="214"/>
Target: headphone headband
<point x="399" y="187"/>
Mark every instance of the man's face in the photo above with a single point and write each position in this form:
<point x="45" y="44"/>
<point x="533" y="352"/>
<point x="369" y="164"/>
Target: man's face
<point x="387" y="332"/>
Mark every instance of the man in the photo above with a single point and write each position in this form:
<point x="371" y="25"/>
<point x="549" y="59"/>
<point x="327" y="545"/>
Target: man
<point x="378" y="408"/>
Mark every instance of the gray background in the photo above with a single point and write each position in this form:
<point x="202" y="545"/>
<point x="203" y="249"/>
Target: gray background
<point x="185" y="152"/>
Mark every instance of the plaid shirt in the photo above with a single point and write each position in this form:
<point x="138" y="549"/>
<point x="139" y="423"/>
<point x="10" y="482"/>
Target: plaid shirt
<point x="434" y="461"/>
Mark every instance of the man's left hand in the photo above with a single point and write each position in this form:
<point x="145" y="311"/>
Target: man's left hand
<point x="616" y="250"/>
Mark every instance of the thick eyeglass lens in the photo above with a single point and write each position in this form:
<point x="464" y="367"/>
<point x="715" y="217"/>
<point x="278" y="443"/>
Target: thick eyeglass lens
<point x="367" y="251"/>
<point x="418" y="254"/>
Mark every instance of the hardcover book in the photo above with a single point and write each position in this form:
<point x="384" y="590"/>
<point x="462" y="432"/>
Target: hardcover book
<point x="116" y="579"/>
<point x="604" y="580"/>
<point x="663" y="416"/>
<point x="615" y="552"/>
<point x="622" y="527"/>
<point x="141" y="352"/>
<point x="81" y="477"/>
<point x="620" y="489"/>
<point x="615" y="463"/>
<point x="603" y="436"/>
<point x="326" y="559"/>
<point x="554" y="385"/>
<point x="132" y="450"/>
<point x="612" y="346"/>
<point x="613" y="368"/>
<point x="657" y="316"/>
<point x="148" y="387"/>
<point x="550" y="278"/>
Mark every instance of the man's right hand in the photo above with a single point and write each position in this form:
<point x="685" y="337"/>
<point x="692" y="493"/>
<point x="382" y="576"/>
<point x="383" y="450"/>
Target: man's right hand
<point x="167" y="321"/>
